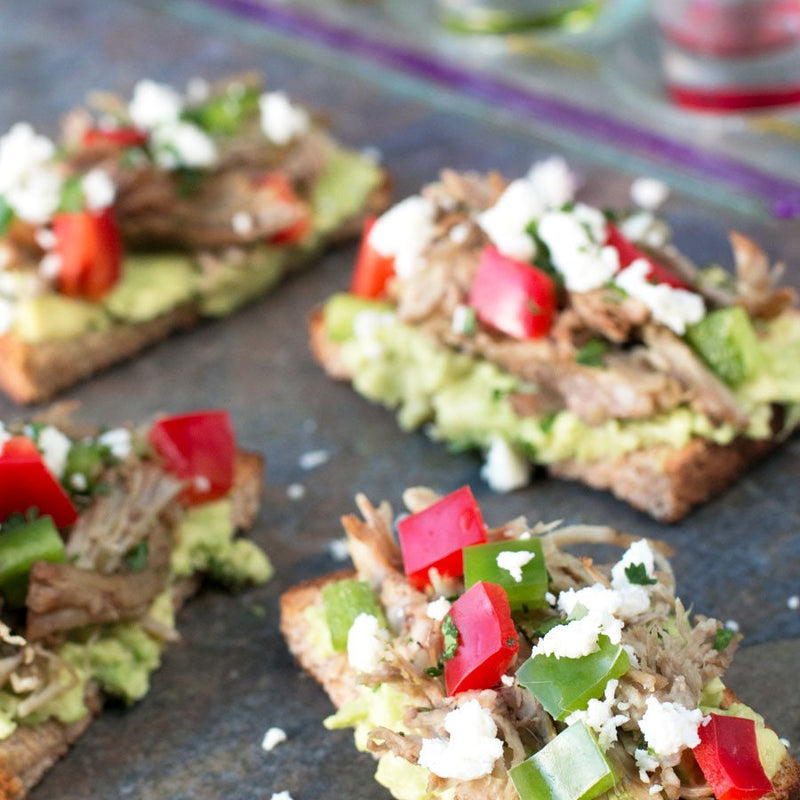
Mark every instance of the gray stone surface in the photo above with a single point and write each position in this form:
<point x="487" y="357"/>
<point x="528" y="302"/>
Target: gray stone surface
<point x="198" y="733"/>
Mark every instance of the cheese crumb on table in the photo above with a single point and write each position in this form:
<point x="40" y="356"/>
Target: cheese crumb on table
<point x="793" y="603"/>
<point x="314" y="458"/>
<point x="649" y="193"/>
<point x="339" y="549"/>
<point x="272" y="738"/>
<point x="295" y="491"/>
<point x="284" y="795"/>
<point x="505" y="469"/>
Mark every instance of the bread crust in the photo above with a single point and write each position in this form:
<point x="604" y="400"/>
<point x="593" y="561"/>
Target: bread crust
<point x="36" y="372"/>
<point x="31" y="750"/>
<point x="664" y="482"/>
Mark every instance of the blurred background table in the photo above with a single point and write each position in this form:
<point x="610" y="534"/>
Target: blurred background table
<point x="389" y="78"/>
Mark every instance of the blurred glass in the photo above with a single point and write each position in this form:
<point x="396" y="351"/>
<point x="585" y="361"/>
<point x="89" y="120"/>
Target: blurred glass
<point x="511" y="16"/>
<point x="730" y="55"/>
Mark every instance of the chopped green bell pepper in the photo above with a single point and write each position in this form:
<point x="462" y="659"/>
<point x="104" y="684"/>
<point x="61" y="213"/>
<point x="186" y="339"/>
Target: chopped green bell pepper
<point x="223" y="114"/>
<point x="564" y="685"/>
<point x="344" y="601"/>
<point x="570" y="767"/>
<point x="481" y="564"/>
<point x="20" y="547"/>
<point x="726" y="341"/>
<point x="341" y="310"/>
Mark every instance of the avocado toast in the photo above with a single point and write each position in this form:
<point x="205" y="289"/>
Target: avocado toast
<point x="103" y="536"/>
<point x="488" y="662"/>
<point x="153" y="214"/>
<point x="510" y="318"/>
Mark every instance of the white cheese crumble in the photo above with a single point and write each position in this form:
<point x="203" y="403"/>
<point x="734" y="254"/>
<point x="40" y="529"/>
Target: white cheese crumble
<point x="367" y="325"/>
<point x="282" y="120"/>
<point x="197" y="90"/>
<point x="732" y="625"/>
<point x="314" y="458"/>
<point x="793" y="603"/>
<point x="242" y="223"/>
<point x="459" y="233"/>
<point x="182" y="144"/>
<point x="404" y="232"/>
<point x="284" y="795"/>
<point x="49" y="267"/>
<point x="471" y="750"/>
<point x="55" y="447"/>
<point x="512" y="561"/>
<point x="119" y="441"/>
<point x="505" y="469"/>
<point x="154" y="104"/>
<point x="675" y="308"/>
<point x="45" y="238"/>
<point x="656" y="788"/>
<point x="78" y="482"/>
<point x="554" y="181"/>
<point x="634" y="598"/>
<point x="8" y="311"/>
<point x="576" y="243"/>
<point x="506" y="221"/>
<point x="438" y="609"/>
<point x="646" y="228"/>
<point x="339" y="549"/>
<point x="98" y="189"/>
<point x="649" y="193"/>
<point x="669" y="727"/>
<point x="599" y="716"/>
<point x="463" y="320"/>
<point x="645" y="762"/>
<point x="550" y="598"/>
<point x="295" y="491"/>
<point x="366" y="643"/>
<point x="272" y="738"/>
<point x="785" y="742"/>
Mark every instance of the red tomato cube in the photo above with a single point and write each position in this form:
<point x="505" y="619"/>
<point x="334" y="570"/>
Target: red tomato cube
<point x="372" y="270"/>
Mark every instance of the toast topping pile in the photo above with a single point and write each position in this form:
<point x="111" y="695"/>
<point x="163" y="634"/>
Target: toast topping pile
<point x="490" y="662"/>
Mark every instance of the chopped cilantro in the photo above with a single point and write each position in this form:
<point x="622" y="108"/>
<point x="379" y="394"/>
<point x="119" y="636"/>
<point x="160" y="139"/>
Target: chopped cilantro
<point x="547" y="421"/>
<point x="6" y="215"/>
<point x="723" y="638"/>
<point x="591" y="354"/>
<point x="434" y="672"/>
<point x="136" y="557"/>
<point x="637" y="574"/>
<point x="450" y="634"/>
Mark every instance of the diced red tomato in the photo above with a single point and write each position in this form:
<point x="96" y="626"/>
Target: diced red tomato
<point x="118" y="137"/>
<point x="487" y="639"/>
<point x="281" y="186"/>
<point x="27" y="483"/>
<point x="372" y="270"/>
<point x="513" y="296"/>
<point x="629" y="252"/>
<point x="90" y="247"/>
<point x="198" y="447"/>
<point x="728" y="756"/>
<point x="435" y="537"/>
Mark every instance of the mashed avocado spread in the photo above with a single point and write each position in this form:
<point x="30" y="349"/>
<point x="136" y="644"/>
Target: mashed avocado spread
<point x="465" y="400"/>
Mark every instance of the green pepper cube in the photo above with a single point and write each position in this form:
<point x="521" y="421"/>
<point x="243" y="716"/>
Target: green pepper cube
<point x="570" y="767"/>
<point x="487" y="562"/>
<point x="726" y="341"/>
<point x="564" y="685"/>
<point x="342" y="309"/>
<point x="20" y="547"/>
<point x="344" y="601"/>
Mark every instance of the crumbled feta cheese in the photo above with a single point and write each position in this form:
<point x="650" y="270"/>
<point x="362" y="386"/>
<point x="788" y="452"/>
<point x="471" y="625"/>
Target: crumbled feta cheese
<point x="471" y="750"/>
<point x="438" y="609"/>
<point x="645" y="762"/>
<point x="512" y="561"/>
<point x="785" y="742"/>
<point x="505" y="223"/>
<point x="98" y="189"/>
<point x="367" y="325"/>
<point x="197" y="90"/>
<point x="505" y="469"/>
<point x="732" y="625"/>
<point x="675" y="308"/>
<point x="284" y="795"/>
<point x="366" y="643"/>
<point x="599" y="716"/>
<point x="656" y="788"/>
<point x="314" y="458"/>
<point x="282" y="120"/>
<point x="78" y="482"/>
<point x="649" y="193"/>
<point x="575" y="240"/>
<point x="463" y="321"/>
<point x="372" y="154"/>
<point x="404" y="232"/>
<point x="49" y="267"/>
<point x="459" y="233"/>
<point x="242" y="223"/>
<point x="45" y="238"/>
<point x="635" y="598"/>
<point x="36" y="196"/>
<point x="550" y="598"/>
<point x="154" y="104"/>
<point x="272" y="738"/>
<point x="554" y="181"/>
<point x="507" y="680"/>
<point x="55" y="447"/>
<point x="182" y="144"/>
<point x="670" y="727"/>
<point x="339" y="549"/>
<point x="119" y="441"/>
<point x="295" y="491"/>
<point x="7" y="313"/>
<point x="645" y="228"/>
<point x="793" y="603"/>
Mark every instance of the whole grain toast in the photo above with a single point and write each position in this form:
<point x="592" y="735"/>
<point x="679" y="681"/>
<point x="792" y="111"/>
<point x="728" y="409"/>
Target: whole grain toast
<point x="32" y="750"/>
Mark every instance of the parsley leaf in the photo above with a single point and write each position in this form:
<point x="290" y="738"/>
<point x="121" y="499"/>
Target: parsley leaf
<point x="723" y="638"/>
<point x="434" y="672"/>
<point x="637" y="574"/>
<point x="450" y="634"/>
<point x="136" y="557"/>
<point x="591" y="354"/>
